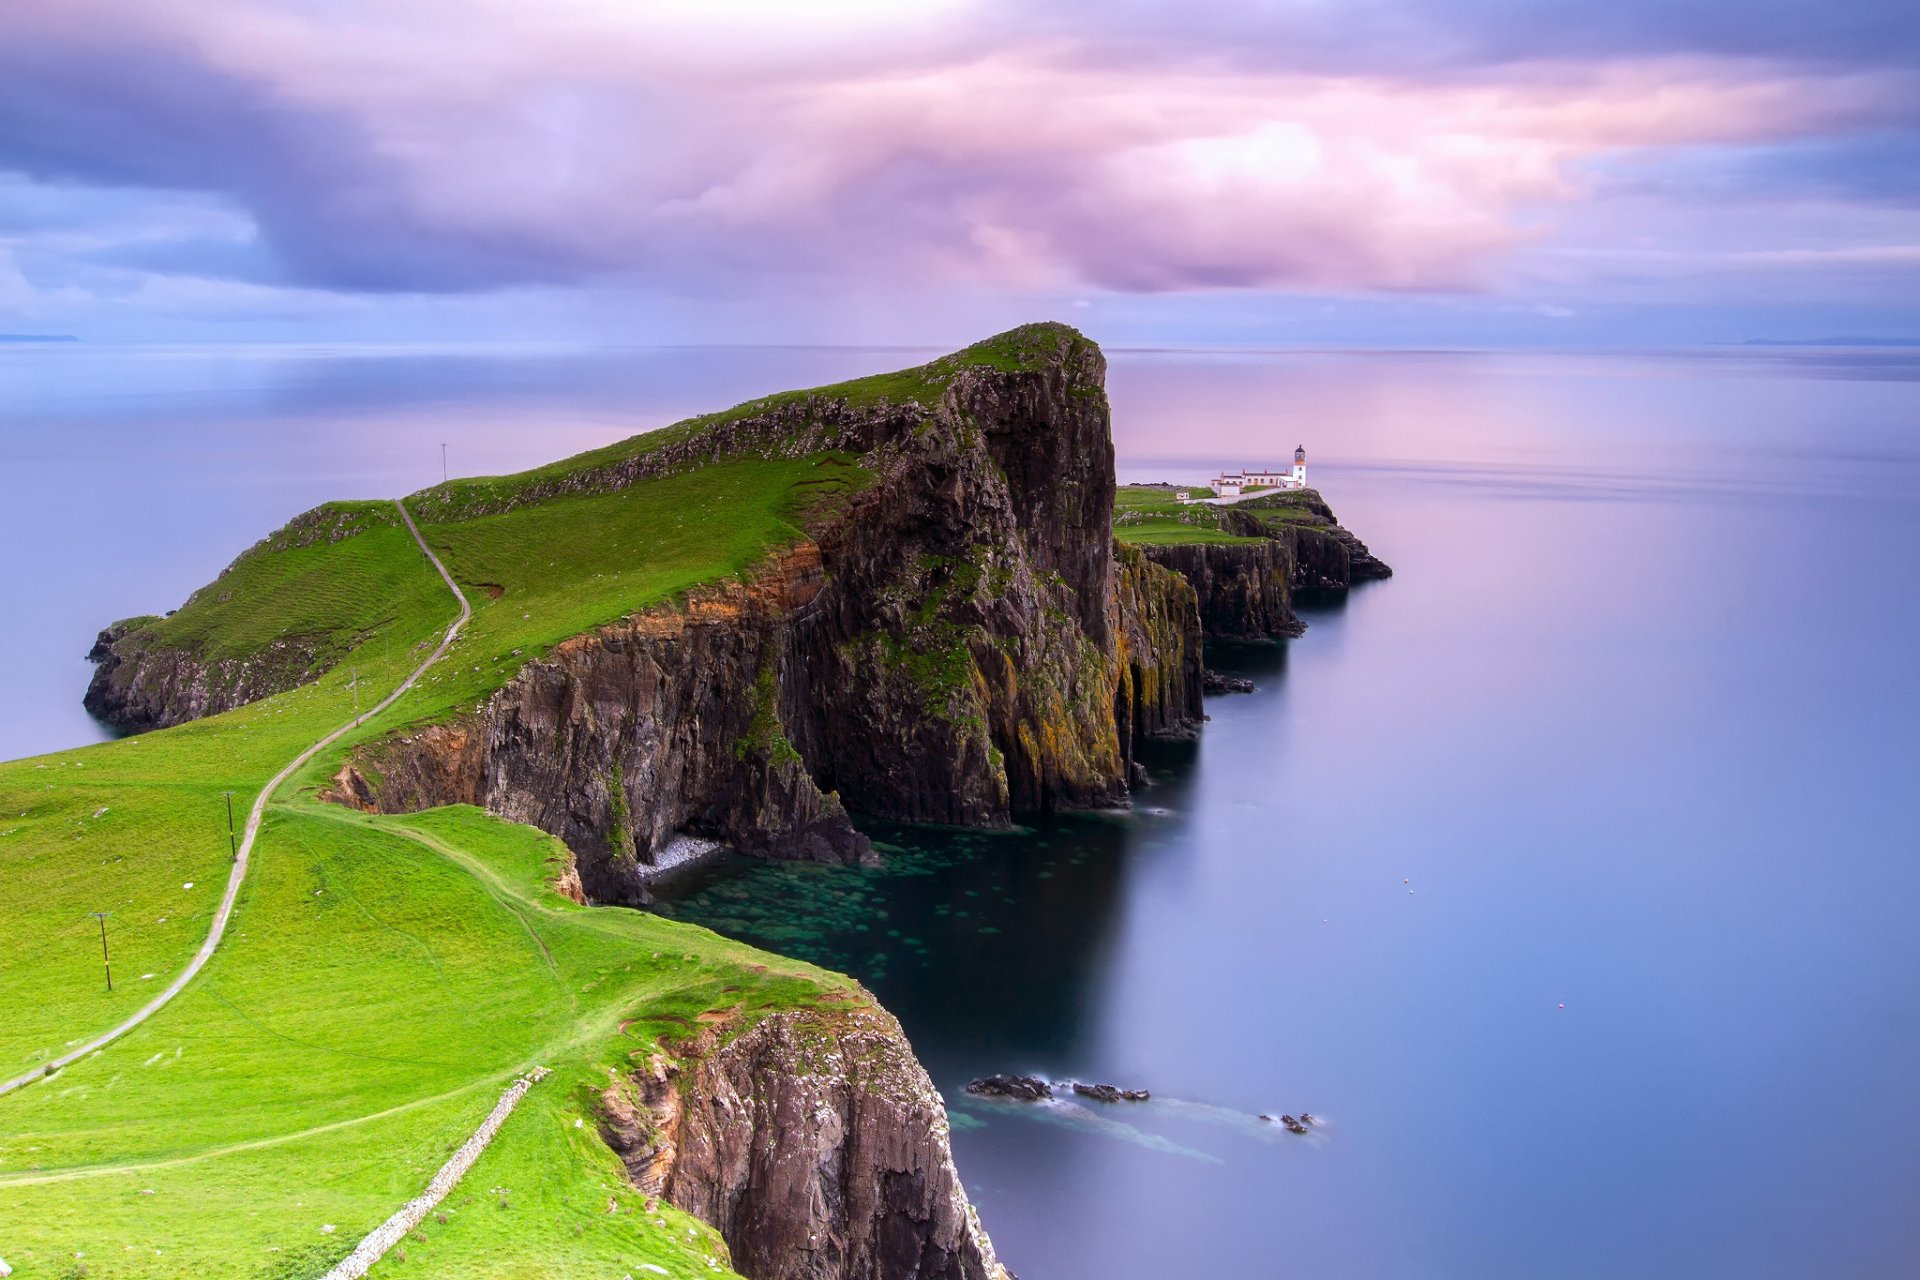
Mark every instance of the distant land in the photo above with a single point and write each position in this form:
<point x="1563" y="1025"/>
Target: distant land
<point x="1832" y="342"/>
<point x="37" y="337"/>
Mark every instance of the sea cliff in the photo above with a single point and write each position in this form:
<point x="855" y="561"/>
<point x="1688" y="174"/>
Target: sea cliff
<point x="954" y="643"/>
<point x="812" y="1139"/>
<point x="1247" y="561"/>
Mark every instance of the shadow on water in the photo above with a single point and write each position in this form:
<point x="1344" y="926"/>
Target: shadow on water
<point x="1328" y="602"/>
<point x="1263" y="662"/>
<point x="989" y="946"/>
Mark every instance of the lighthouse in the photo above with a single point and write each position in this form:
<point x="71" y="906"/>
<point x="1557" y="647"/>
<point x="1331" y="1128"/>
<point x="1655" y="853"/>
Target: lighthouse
<point x="1300" y="467"/>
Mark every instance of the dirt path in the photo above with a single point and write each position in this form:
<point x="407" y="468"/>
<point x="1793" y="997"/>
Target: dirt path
<point x="254" y="818"/>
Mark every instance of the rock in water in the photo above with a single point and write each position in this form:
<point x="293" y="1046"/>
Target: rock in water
<point x="1024" y="1088"/>
<point x="1110" y="1093"/>
<point x="1214" y="682"/>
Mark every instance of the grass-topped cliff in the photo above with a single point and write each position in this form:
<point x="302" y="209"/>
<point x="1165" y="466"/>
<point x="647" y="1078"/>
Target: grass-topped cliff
<point x="1246" y="559"/>
<point x="595" y="536"/>
<point x="1154" y="515"/>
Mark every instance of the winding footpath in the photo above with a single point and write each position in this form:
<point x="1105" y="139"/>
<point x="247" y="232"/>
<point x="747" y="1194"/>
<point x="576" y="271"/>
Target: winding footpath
<point x="254" y="817"/>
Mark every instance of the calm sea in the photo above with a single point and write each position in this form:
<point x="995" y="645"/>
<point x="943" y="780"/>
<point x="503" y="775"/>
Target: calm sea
<point x="1570" y="876"/>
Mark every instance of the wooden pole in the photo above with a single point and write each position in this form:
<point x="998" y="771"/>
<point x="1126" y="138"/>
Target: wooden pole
<point x="105" y="959"/>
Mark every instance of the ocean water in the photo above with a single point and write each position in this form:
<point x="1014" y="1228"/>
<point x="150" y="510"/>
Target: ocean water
<point x="1570" y="876"/>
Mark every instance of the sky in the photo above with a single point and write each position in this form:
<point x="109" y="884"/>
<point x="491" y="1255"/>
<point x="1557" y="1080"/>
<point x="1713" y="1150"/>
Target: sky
<point x="1271" y="172"/>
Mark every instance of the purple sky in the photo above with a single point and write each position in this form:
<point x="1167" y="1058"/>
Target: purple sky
<point x="1449" y="172"/>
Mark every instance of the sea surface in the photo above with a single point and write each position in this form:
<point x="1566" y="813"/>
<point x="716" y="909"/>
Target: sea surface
<point x="1571" y="877"/>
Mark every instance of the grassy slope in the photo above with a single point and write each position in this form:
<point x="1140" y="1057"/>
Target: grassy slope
<point x="386" y="979"/>
<point x="383" y="978"/>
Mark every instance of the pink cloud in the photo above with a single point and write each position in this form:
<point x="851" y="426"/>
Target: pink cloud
<point x="685" y="145"/>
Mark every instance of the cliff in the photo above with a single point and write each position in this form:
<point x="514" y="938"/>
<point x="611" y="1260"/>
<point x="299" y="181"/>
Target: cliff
<point x="1250" y="559"/>
<point x="952" y="643"/>
<point x="813" y="1140"/>
<point x="939" y="628"/>
<point x="136" y="687"/>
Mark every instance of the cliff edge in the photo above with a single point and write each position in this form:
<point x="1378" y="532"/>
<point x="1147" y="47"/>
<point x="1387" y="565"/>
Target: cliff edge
<point x="812" y="1139"/>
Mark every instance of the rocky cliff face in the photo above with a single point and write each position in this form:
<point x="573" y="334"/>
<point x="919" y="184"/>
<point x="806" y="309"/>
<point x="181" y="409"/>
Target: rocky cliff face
<point x="637" y="741"/>
<point x="1161" y="666"/>
<point x="954" y="644"/>
<point x="1245" y="590"/>
<point x="815" y="1143"/>
<point x="138" y="686"/>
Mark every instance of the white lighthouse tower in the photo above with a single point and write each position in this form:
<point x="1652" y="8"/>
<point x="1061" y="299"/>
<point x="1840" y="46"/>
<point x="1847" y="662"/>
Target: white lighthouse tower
<point x="1300" y="467"/>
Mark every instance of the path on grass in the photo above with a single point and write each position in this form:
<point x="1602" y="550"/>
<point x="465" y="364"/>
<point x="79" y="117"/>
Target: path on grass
<point x="254" y="817"/>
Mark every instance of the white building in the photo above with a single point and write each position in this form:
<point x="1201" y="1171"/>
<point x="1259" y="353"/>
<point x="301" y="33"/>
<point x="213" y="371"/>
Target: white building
<point x="1234" y="484"/>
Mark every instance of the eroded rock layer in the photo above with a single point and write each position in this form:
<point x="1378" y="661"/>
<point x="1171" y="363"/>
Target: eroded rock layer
<point x="813" y="1140"/>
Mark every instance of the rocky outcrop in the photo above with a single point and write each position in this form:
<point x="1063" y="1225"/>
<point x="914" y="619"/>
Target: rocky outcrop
<point x="1292" y="543"/>
<point x="139" y="685"/>
<point x="812" y="1140"/>
<point x="955" y="643"/>
<point x="145" y="678"/>
<point x="958" y="640"/>
<point x="1020" y="1088"/>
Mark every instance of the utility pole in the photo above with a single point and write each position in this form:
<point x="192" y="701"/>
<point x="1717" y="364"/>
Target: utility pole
<point x="356" y="694"/>
<point x="233" y="841"/>
<point x="443" y="462"/>
<point x="101" y="916"/>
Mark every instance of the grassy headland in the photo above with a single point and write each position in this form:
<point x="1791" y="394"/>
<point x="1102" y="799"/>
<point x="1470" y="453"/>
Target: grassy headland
<point x="383" y="977"/>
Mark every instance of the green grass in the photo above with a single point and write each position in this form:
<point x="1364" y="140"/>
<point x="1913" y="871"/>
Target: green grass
<point x="541" y="574"/>
<point x="1150" y="516"/>
<point x="304" y="604"/>
<point x="384" y="980"/>
<point x="918" y="389"/>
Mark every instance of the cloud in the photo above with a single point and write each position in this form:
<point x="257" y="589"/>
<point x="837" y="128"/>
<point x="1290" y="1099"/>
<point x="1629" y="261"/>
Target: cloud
<point x="717" y="149"/>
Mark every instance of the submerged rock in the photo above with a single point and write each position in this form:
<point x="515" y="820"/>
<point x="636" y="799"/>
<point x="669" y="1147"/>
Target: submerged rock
<point x="1023" y="1088"/>
<point x="1110" y="1093"/>
<point x="1214" y="682"/>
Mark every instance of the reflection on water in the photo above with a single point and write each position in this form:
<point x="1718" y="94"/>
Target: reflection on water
<point x="1567" y="878"/>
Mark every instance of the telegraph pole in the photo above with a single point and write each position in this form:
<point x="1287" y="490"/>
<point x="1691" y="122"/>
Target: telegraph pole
<point x="356" y="694"/>
<point x="443" y="462"/>
<point x="233" y="841"/>
<point x="101" y="916"/>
